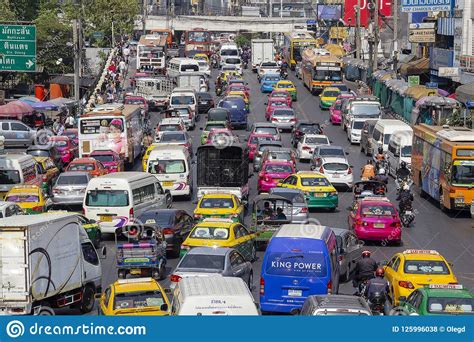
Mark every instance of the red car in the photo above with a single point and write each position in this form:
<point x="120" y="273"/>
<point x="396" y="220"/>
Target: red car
<point x="66" y="148"/>
<point x="281" y="94"/>
<point x="73" y="134"/>
<point x="274" y="103"/>
<point x="90" y="165"/>
<point x="238" y="87"/>
<point x="272" y="172"/>
<point x="375" y="218"/>
<point x="253" y="139"/>
<point x="335" y="114"/>
<point x="110" y="159"/>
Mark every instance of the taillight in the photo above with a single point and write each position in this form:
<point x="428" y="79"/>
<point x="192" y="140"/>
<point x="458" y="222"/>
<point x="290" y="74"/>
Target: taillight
<point x="329" y="287"/>
<point x="197" y="216"/>
<point x="321" y="169"/>
<point x="358" y="222"/>
<point x="190" y="115"/>
<point x="37" y="208"/>
<point x="175" y="278"/>
<point x="168" y="231"/>
<point x="130" y="213"/>
<point x="57" y="191"/>
<point x="350" y="171"/>
<point x="293" y="120"/>
<point x="44" y="178"/>
<point x="304" y="210"/>
<point x="262" y="286"/>
<point x="307" y="148"/>
<point x="396" y="224"/>
<point x="341" y="257"/>
<point x="274" y="119"/>
<point x="406" y="284"/>
<point x="84" y="211"/>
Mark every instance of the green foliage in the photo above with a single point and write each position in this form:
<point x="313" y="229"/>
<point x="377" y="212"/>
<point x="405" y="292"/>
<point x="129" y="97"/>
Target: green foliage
<point x="6" y="11"/>
<point x="242" y="40"/>
<point x="25" y="10"/>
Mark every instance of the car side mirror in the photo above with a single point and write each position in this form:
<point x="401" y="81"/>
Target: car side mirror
<point x="164" y="307"/>
<point x="250" y="175"/>
<point x="92" y="221"/>
<point x="384" y="263"/>
<point x="103" y="252"/>
<point x="265" y="103"/>
<point x="330" y="141"/>
<point x="201" y="128"/>
<point x="402" y="299"/>
<point x="168" y="291"/>
<point x="366" y="131"/>
<point x="346" y="153"/>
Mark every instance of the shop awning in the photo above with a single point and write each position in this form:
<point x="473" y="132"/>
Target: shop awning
<point x="465" y="93"/>
<point x="419" y="91"/>
<point x="85" y="82"/>
<point x="417" y="67"/>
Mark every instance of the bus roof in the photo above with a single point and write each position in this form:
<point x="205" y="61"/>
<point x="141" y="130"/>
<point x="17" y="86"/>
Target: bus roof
<point x="300" y="35"/>
<point x="126" y="110"/>
<point x="449" y="134"/>
<point x="152" y="40"/>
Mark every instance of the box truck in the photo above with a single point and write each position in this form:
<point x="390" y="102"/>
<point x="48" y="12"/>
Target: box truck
<point x="47" y="261"/>
<point x="262" y="51"/>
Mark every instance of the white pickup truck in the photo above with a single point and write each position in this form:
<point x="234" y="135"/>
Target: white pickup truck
<point x="267" y="67"/>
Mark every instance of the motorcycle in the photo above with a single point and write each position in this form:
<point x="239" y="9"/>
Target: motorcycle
<point x="284" y="75"/>
<point x="406" y="215"/>
<point x="401" y="182"/>
<point x="219" y="90"/>
<point x="377" y="303"/>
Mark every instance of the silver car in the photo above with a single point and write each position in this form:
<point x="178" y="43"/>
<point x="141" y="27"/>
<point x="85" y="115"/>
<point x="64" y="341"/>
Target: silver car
<point x="272" y="153"/>
<point x="300" y="206"/>
<point x="206" y="261"/>
<point x="283" y="118"/>
<point x="70" y="188"/>
<point x="261" y="146"/>
<point x="350" y="250"/>
<point x="16" y="133"/>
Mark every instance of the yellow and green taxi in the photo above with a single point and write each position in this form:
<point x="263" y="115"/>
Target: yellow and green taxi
<point x="30" y="198"/>
<point x="210" y="125"/>
<point x="146" y="155"/>
<point x="328" y="97"/>
<point x="414" y="268"/>
<point x="439" y="299"/>
<point x="134" y="297"/>
<point x="48" y="170"/>
<point x="318" y="190"/>
<point x="221" y="233"/>
<point x="228" y="74"/>
<point x="288" y="86"/>
<point x="201" y="57"/>
<point x="219" y="206"/>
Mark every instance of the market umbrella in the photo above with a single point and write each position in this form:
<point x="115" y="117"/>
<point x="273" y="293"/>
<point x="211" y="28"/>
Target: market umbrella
<point x="61" y="101"/>
<point x="44" y="105"/>
<point x="465" y="92"/>
<point x="443" y="92"/>
<point x="15" y="109"/>
<point x="29" y="99"/>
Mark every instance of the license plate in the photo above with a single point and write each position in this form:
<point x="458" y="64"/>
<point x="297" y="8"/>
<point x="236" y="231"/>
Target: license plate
<point x="408" y="212"/>
<point x="105" y="218"/>
<point x="295" y="293"/>
<point x="379" y="225"/>
<point x="167" y="183"/>
<point x="336" y="176"/>
<point x="318" y="194"/>
<point x="135" y="271"/>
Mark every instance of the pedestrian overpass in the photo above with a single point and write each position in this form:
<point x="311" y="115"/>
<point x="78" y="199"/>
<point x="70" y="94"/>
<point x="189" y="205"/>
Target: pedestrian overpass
<point x="224" y="23"/>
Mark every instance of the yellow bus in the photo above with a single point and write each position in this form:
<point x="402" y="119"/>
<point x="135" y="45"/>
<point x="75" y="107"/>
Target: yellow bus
<point x="320" y="69"/>
<point x="294" y="44"/>
<point x="442" y="164"/>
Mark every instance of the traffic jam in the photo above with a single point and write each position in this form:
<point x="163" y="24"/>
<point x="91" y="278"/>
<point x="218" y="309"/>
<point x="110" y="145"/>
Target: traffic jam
<point x="226" y="179"/>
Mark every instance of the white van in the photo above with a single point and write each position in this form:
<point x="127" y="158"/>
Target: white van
<point x="179" y="66"/>
<point x="383" y="130"/>
<point x="183" y="97"/>
<point x="17" y="169"/>
<point x="399" y="149"/>
<point x="354" y="131"/>
<point x="232" y="61"/>
<point x="228" y="50"/>
<point x="114" y="199"/>
<point x="215" y="295"/>
<point x="171" y="165"/>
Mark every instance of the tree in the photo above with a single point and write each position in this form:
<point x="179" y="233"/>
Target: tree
<point x="6" y="11"/>
<point x="25" y="10"/>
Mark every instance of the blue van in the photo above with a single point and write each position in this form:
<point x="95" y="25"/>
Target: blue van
<point x="238" y="112"/>
<point x="300" y="260"/>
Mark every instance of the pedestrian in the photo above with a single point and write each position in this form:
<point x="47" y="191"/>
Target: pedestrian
<point x="56" y="125"/>
<point x="60" y="129"/>
<point x="70" y="121"/>
<point x="126" y="53"/>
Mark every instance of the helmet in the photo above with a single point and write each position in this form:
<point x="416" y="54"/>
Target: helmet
<point x="380" y="149"/>
<point x="379" y="272"/>
<point x="381" y="171"/>
<point x="366" y="254"/>
<point x="406" y="187"/>
<point x="403" y="164"/>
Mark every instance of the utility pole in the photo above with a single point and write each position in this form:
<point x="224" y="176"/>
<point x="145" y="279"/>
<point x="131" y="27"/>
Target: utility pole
<point x="357" y="32"/>
<point x="144" y="16"/>
<point x="77" y="62"/>
<point x="395" y="35"/>
<point x="376" y="35"/>
<point x="281" y="8"/>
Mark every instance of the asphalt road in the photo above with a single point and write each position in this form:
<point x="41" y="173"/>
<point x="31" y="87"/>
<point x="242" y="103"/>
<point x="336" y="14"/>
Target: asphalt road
<point x="451" y="235"/>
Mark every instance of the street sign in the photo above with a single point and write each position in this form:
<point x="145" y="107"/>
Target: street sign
<point x="448" y="72"/>
<point x="470" y="104"/>
<point x="310" y="22"/>
<point x="98" y="35"/>
<point x="421" y="35"/>
<point x="431" y="85"/>
<point x="426" y="5"/>
<point x="413" y="81"/>
<point x="18" y="48"/>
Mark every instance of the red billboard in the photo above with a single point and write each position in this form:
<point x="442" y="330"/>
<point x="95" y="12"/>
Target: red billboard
<point x="385" y="9"/>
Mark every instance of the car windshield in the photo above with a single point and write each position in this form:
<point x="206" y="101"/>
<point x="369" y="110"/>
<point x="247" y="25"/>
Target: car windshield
<point x="279" y="155"/>
<point x="316" y="140"/>
<point x="426" y="267"/>
<point x="166" y="166"/>
<point x="365" y="109"/>
<point x="285" y="85"/>
<point x="229" y="52"/>
<point x="308" y="128"/>
<point x="463" y="172"/>
<point x="331" y="152"/>
<point x="314" y="181"/>
<point x="283" y="112"/>
<point x="267" y="130"/>
<point x="338" y="105"/>
<point x="201" y="261"/>
<point x="216" y="203"/>
<point x="104" y="158"/>
<point x="81" y="167"/>
<point x="336" y="167"/>
<point x="357" y="124"/>
<point x="210" y="233"/>
<point x="64" y="179"/>
<point x="378" y="210"/>
<point x="138" y="299"/>
<point x="279" y="94"/>
<point x="232" y="61"/>
<point x="293" y="196"/>
<point x="169" y="128"/>
<point x="214" y="126"/>
<point x="39" y="153"/>
<point x="9" y="177"/>
<point x="60" y="143"/>
<point x="182" y="100"/>
<point x="22" y="198"/>
<point x="278" y="168"/>
<point x="107" y="198"/>
<point x="331" y="93"/>
<point x="447" y="305"/>
<point x="255" y="139"/>
<point x="157" y="218"/>
<point x="271" y="78"/>
<point x="406" y="151"/>
<point x="173" y="137"/>
<point x="269" y="65"/>
<point x="134" y="101"/>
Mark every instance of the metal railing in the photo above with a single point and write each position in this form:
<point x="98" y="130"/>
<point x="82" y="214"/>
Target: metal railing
<point x="467" y="62"/>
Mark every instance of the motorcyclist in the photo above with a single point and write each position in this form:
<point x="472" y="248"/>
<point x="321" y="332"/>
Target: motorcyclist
<point x="364" y="269"/>
<point x="368" y="170"/>
<point x="403" y="173"/>
<point x="405" y="198"/>
<point x="377" y="285"/>
<point x="380" y="156"/>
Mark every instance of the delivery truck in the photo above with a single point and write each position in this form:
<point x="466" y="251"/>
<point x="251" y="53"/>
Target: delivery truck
<point x="47" y="262"/>
<point x="262" y="51"/>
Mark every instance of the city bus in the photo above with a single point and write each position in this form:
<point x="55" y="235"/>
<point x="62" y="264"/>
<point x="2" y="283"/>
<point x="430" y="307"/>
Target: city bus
<point x="294" y="44"/>
<point x="197" y="40"/>
<point x="320" y="69"/>
<point x="442" y="164"/>
<point x="112" y="127"/>
<point x="151" y="52"/>
<point x="167" y="33"/>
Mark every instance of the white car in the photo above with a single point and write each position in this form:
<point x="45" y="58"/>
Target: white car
<point x="169" y="125"/>
<point x="338" y="171"/>
<point x="306" y="146"/>
<point x="354" y="131"/>
<point x="236" y="61"/>
<point x="8" y="209"/>
<point x="267" y="66"/>
<point x="204" y="67"/>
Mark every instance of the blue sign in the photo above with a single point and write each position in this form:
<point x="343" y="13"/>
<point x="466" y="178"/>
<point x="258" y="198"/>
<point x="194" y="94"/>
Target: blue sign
<point x="311" y="22"/>
<point x="426" y="5"/>
<point x="441" y="58"/>
<point x="431" y="85"/>
<point x="469" y="104"/>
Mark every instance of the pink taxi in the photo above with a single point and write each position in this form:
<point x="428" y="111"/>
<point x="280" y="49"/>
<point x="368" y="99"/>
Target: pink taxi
<point x="66" y="148"/>
<point x="272" y="172"/>
<point x="281" y="94"/>
<point x="274" y="103"/>
<point x="110" y="159"/>
<point x="253" y="139"/>
<point x="335" y="113"/>
<point x="375" y="218"/>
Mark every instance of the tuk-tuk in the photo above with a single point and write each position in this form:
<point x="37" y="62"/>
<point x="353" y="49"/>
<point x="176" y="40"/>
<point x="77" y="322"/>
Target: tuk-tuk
<point x="369" y="188"/>
<point x="144" y="254"/>
<point x="269" y="212"/>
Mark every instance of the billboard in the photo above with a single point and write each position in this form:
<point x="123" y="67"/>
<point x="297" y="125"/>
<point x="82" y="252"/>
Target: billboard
<point x="329" y="12"/>
<point x="385" y="10"/>
<point x="425" y="5"/>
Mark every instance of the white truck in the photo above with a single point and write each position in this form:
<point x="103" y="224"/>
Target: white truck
<point x="47" y="261"/>
<point x="262" y="51"/>
<point x="156" y="91"/>
<point x="196" y="81"/>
